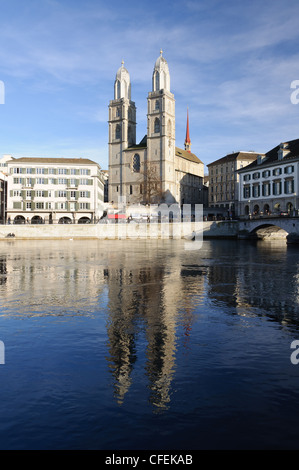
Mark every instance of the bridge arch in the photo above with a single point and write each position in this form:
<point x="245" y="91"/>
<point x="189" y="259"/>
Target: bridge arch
<point x="269" y="230"/>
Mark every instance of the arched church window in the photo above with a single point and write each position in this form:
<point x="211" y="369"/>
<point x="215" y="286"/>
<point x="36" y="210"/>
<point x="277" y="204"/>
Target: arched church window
<point x="157" y="78"/>
<point x="118" y="132"/>
<point x="136" y="163"/>
<point x="157" y="126"/>
<point x="118" y="89"/>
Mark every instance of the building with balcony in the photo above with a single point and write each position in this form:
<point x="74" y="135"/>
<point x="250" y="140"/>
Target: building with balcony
<point x="53" y="190"/>
<point x="270" y="185"/>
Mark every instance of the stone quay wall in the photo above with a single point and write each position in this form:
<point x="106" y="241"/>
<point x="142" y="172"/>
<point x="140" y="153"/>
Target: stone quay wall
<point x="187" y="230"/>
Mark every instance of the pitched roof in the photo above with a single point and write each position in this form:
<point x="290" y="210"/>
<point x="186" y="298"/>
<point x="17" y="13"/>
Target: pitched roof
<point x="271" y="158"/>
<point x="187" y="155"/>
<point x="142" y="144"/>
<point x="54" y="161"/>
<point x="235" y="156"/>
<point x="178" y="151"/>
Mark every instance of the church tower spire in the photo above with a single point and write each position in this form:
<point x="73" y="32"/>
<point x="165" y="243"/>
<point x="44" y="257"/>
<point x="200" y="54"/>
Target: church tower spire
<point x="161" y="127"/>
<point x="187" y="139"/>
<point x="122" y="132"/>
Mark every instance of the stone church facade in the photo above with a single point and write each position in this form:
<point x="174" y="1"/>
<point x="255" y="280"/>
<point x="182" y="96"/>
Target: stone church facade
<point x="155" y="165"/>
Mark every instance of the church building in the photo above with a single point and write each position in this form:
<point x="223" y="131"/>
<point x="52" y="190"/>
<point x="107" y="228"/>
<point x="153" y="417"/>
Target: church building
<point x="155" y="170"/>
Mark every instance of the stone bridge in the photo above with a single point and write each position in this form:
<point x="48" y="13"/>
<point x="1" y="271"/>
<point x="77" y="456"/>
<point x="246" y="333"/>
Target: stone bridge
<point x="268" y="227"/>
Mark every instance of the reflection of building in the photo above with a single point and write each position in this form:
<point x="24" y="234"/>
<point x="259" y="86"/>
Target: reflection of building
<point x="224" y="179"/>
<point x="47" y="278"/>
<point x="246" y="288"/>
<point x="142" y="295"/>
<point x="159" y="300"/>
<point x="178" y="172"/>
<point x="51" y="190"/>
<point x="270" y="184"/>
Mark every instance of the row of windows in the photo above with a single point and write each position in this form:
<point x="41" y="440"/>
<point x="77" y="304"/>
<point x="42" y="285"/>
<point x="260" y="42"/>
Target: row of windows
<point x="221" y="188"/>
<point x="50" y="171"/>
<point x="228" y="168"/>
<point x="267" y="173"/>
<point x="222" y="197"/>
<point x="52" y="205"/>
<point x="41" y="194"/>
<point x="222" y="179"/>
<point x="64" y="181"/>
<point x="267" y="189"/>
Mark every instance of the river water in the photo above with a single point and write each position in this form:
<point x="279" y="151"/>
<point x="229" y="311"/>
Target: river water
<point x="146" y="345"/>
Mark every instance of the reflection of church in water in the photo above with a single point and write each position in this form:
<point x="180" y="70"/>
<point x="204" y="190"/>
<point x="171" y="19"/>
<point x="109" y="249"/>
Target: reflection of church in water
<point x="150" y="307"/>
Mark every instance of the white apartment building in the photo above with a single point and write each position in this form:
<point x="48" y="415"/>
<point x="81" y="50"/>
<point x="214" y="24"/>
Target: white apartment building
<point x="53" y="190"/>
<point x="270" y="185"/>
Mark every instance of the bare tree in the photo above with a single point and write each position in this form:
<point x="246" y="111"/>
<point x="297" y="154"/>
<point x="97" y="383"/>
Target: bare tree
<point x="151" y="184"/>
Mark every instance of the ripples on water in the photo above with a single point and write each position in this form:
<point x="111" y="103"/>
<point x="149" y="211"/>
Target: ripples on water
<point x="143" y="345"/>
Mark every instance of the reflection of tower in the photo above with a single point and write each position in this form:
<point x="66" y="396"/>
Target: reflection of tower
<point x="160" y="358"/>
<point x="3" y="270"/>
<point x="157" y="298"/>
<point x="134" y="294"/>
<point x="121" y="330"/>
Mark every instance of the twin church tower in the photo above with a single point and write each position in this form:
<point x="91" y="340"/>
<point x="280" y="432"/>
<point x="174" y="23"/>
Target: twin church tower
<point x="155" y="170"/>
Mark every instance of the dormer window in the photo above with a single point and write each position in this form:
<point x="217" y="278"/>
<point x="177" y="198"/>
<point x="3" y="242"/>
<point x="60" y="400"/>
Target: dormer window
<point x="283" y="151"/>
<point x="260" y="159"/>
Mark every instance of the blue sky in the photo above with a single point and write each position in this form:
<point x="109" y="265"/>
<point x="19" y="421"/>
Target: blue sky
<point x="231" y="63"/>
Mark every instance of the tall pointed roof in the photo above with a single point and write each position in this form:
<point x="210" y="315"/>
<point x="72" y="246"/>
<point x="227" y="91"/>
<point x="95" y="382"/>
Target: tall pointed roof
<point x="161" y="76"/>
<point x="122" y="84"/>
<point x="188" y="140"/>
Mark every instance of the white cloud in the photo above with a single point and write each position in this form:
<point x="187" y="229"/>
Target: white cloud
<point x="231" y="62"/>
